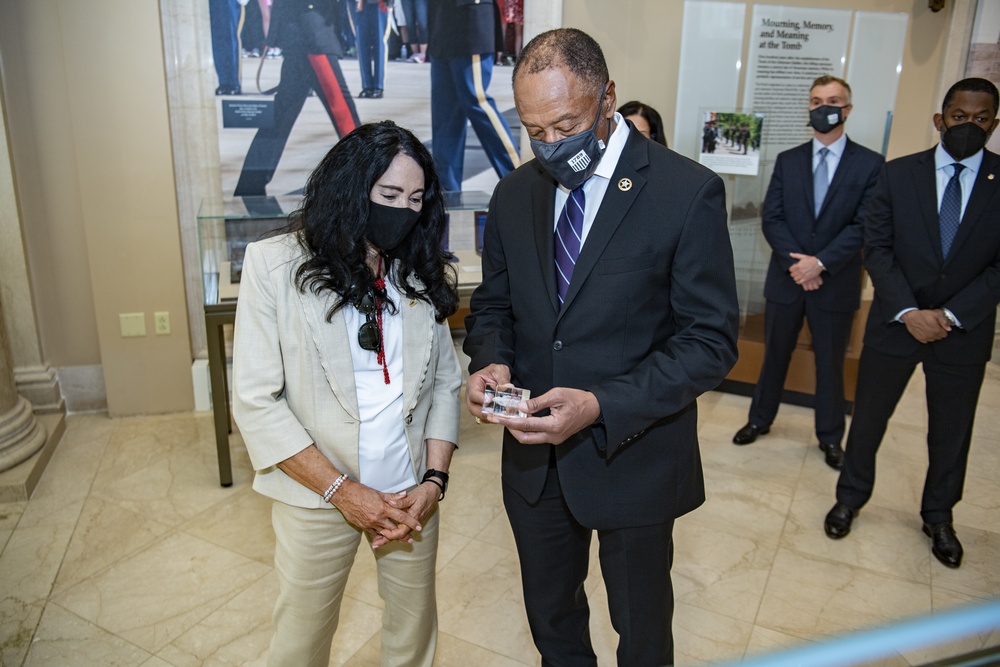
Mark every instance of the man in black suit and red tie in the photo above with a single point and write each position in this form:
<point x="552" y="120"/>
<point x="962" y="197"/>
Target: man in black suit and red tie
<point x="812" y="218"/>
<point x="608" y="291"/>
<point x="932" y="248"/>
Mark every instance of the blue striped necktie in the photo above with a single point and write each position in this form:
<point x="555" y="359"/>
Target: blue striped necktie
<point x="568" y="240"/>
<point x="951" y="209"/>
<point x="821" y="180"/>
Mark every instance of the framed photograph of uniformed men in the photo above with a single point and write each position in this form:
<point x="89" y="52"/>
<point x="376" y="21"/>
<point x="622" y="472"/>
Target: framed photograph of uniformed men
<point x="730" y="142"/>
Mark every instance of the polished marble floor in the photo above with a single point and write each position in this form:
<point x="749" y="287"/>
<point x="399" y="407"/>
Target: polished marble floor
<point x="130" y="553"/>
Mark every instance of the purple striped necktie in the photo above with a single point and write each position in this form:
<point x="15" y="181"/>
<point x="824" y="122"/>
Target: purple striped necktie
<point x="568" y="240"/>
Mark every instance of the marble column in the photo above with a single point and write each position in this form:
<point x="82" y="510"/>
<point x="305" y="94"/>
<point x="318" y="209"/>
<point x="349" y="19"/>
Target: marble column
<point x="35" y="379"/>
<point x="20" y="433"/>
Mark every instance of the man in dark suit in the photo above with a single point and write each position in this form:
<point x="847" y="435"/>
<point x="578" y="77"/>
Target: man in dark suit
<point x="464" y="38"/>
<point x="932" y="248"/>
<point x="608" y="291"/>
<point x="812" y="218"/>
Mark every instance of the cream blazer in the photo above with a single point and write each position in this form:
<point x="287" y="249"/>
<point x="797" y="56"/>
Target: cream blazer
<point x="293" y="380"/>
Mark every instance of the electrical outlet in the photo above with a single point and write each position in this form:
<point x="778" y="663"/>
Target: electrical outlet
<point x="161" y="323"/>
<point x="132" y="324"/>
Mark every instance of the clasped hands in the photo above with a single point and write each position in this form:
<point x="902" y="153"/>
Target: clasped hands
<point x="570" y="410"/>
<point x="927" y="326"/>
<point x="388" y="517"/>
<point x="806" y="271"/>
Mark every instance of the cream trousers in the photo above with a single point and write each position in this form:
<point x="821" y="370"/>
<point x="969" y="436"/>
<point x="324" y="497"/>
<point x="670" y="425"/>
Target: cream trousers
<point x="314" y="553"/>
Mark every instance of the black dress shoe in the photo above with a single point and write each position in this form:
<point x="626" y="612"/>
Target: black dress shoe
<point x="838" y="521"/>
<point x="834" y="454"/>
<point x="946" y="547"/>
<point x="377" y="93"/>
<point x="365" y="93"/>
<point x="227" y="90"/>
<point x="749" y="433"/>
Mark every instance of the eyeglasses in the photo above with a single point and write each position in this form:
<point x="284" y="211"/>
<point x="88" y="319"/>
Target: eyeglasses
<point x="368" y="335"/>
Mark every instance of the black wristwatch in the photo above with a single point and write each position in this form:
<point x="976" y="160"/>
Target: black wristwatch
<point x="437" y="478"/>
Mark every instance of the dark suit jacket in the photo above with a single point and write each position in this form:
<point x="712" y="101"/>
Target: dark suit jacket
<point x="790" y="224"/>
<point x="304" y="26"/>
<point x="463" y="28"/>
<point x="649" y="324"/>
<point x="903" y="257"/>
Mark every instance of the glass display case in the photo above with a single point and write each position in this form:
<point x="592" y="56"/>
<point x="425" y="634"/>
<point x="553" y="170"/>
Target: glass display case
<point x="227" y="226"/>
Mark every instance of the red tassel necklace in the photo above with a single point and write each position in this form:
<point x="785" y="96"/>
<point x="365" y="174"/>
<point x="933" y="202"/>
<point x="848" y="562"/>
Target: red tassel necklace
<point x="380" y="286"/>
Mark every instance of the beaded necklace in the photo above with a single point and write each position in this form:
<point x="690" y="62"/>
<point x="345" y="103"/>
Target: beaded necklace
<point x="380" y="287"/>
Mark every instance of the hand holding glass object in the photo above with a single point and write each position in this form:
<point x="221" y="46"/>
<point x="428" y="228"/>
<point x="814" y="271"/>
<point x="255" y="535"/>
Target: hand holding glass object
<point x="503" y="400"/>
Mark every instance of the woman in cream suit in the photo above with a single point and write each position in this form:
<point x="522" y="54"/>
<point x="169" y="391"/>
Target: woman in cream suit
<point x="346" y="391"/>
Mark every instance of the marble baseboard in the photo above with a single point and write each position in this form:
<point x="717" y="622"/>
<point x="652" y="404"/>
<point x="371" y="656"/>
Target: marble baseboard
<point x="83" y="388"/>
<point x="17" y="484"/>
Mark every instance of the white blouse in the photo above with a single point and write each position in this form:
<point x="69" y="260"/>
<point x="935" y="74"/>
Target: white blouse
<point x="383" y="454"/>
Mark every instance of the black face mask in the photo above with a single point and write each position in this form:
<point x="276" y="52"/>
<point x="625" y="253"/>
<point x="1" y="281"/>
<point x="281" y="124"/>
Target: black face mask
<point x="572" y="160"/>
<point x="825" y="118"/>
<point x="389" y="225"/>
<point x="963" y="140"/>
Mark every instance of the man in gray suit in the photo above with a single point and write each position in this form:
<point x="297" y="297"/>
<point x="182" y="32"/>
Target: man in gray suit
<point x="608" y="291"/>
<point x="812" y="218"/>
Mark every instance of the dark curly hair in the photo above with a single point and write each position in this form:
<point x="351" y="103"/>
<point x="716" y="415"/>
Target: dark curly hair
<point x="332" y="220"/>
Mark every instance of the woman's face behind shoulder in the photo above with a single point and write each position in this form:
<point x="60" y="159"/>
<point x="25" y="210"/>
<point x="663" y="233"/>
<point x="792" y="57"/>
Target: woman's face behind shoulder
<point x="640" y="124"/>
